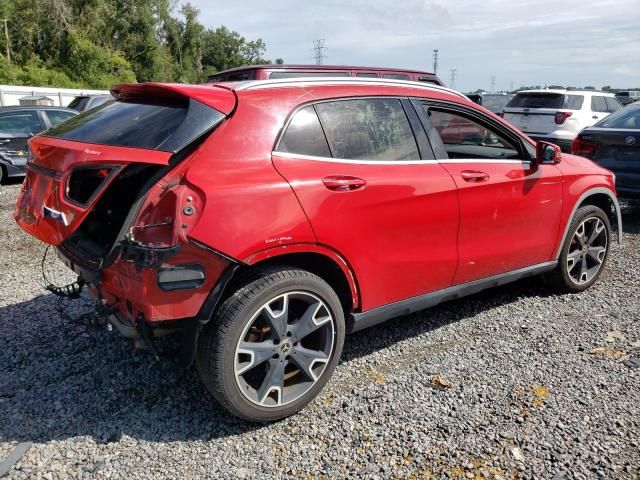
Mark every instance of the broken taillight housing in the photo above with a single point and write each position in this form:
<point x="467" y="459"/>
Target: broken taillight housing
<point x="85" y="183"/>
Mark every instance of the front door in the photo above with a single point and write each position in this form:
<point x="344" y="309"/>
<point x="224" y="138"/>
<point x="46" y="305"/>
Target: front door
<point x="509" y="206"/>
<point x="366" y="178"/>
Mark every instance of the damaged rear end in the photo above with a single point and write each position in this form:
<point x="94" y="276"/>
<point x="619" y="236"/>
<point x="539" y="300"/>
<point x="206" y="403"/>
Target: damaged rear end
<point x="108" y="190"/>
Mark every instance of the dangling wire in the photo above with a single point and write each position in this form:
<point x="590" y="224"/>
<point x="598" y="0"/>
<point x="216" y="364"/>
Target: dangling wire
<point x="71" y="290"/>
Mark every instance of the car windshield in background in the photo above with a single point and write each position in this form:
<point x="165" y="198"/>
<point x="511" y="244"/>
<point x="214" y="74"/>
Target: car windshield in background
<point x="495" y="101"/>
<point x="166" y="127"/>
<point x="546" y="100"/>
<point x="78" y="103"/>
<point x="625" y="118"/>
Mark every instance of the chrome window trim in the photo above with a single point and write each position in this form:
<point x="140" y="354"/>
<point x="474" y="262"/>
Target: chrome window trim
<point x="394" y="162"/>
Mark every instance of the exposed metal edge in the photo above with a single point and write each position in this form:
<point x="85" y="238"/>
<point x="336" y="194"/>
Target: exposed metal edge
<point x="588" y="193"/>
<point x="360" y="321"/>
<point x="320" y="81"/>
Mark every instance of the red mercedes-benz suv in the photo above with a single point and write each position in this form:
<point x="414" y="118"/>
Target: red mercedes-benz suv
<point x="265" y="220"/>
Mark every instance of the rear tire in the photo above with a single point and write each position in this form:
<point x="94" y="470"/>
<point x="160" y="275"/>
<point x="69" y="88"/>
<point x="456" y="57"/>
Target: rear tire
<point x="584" y="252"/>
<point x="272" y="345"/>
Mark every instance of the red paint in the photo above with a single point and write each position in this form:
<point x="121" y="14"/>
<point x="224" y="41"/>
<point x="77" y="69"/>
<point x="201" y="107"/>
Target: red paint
<point x="394" y="230"/>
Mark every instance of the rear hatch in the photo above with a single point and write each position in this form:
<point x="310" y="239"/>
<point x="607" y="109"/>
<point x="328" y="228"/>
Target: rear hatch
<point x="85" y="175"/>
<point x="535" y="112"/>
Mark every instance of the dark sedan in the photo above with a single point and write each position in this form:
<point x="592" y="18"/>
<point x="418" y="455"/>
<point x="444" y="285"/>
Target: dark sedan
<point x="614" y="143"/>
<point x="17" y="126"/>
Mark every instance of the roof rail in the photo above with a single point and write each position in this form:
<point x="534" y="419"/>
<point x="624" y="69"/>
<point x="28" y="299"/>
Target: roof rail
<point x="312" y="81"/>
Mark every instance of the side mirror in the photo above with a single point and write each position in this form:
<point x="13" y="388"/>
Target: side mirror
<point x="548" y="153"/>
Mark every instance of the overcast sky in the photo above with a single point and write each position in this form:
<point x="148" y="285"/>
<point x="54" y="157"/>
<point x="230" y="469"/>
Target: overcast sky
<point x="520" y="42"/>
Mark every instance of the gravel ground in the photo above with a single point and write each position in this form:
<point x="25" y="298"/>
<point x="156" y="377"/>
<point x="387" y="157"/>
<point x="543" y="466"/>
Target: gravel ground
<point x="512" y="383"/>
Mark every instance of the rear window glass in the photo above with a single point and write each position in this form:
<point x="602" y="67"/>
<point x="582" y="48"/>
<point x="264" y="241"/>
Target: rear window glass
<point x="598" y="104"/>
<point x="368" y="129"/>
<point x="537" y="100"/>
<point x="167" y="127"/>
<point x="628" y="117"/>
<point x="304" y="135"/>
<point x="307" y="74"/>
<point x="78" y="103"/>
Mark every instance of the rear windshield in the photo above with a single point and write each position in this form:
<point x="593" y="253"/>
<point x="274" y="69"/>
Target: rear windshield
<point x="628" y="117"/>
<point x="166" y="127"/>
<point x="546" y="100"/>
<point x="495" y="101"/>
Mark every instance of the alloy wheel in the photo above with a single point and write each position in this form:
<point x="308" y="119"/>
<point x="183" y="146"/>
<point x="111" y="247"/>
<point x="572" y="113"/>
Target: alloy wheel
<point x="284" y="349"/>
<point x="587" y="250"/>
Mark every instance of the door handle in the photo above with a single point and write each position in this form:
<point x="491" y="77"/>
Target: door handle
<point x="474" y="176"/>
<point x="343" y="183"/>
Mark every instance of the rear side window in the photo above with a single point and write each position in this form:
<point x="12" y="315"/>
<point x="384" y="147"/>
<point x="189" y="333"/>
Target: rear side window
<point x="79" y="103"/>
<point x="368" y="129"/>
<point x="613" y="105"/>
<point x="573" y="102"/>
<point x="153" y="126"/>
<point x="304" y="135"/>
<point x="275" y="75"/>
<point x="368" y="75"/>
<point x="537" y="100"/>
<point x="598" y="104"/>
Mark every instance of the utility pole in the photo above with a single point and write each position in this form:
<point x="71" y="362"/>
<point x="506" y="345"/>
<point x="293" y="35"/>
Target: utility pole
<point x="320" y="49"/>
<point x="435" y="61"/>
<point x="6" y="36"/>
<point x="452" y="82"/>
<point x="493" y="84"/>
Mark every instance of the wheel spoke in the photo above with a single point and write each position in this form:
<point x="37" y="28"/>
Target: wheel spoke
<point x="259" y="352"/>
<point x="584" y="276"/>
<point x="279" y="317"/>
<point x="273" y="380"/>
<point x="580" y="235"/>
<point x="572" y="259"/>
<point x="596" y="231"/>
<point x="306" y="359"/>
<point x="597" y="253"/>
<point x="313" y="318"/>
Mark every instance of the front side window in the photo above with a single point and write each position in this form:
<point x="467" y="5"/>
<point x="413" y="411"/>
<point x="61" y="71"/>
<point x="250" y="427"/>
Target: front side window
<point x="467" y="138"/>
<point x="368" y="129"/>
<point x="598" y="104"/>
<point x="20" y="124"/>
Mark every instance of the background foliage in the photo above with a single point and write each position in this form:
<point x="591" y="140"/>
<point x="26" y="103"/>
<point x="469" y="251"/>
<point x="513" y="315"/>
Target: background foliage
<point x="96" y="43"/>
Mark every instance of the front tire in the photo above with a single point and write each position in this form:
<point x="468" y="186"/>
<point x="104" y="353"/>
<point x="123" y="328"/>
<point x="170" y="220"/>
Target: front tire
<point x="585" y="251"/>
<point x="272" y="345"/>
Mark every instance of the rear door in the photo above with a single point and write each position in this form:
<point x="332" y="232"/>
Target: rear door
<point x="365" y="175"/>
<point x="16" y="127"/>
<point x="599" y="109"/>
<point x="509" y="207"/>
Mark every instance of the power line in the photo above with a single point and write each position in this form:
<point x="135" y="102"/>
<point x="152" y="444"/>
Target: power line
<point x="435" y="61"/>
<point x="320" y="49"/>
<point x="452" y="82"/>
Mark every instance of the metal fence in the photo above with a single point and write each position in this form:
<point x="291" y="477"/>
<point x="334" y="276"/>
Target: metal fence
<point x="11" y="94"/>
